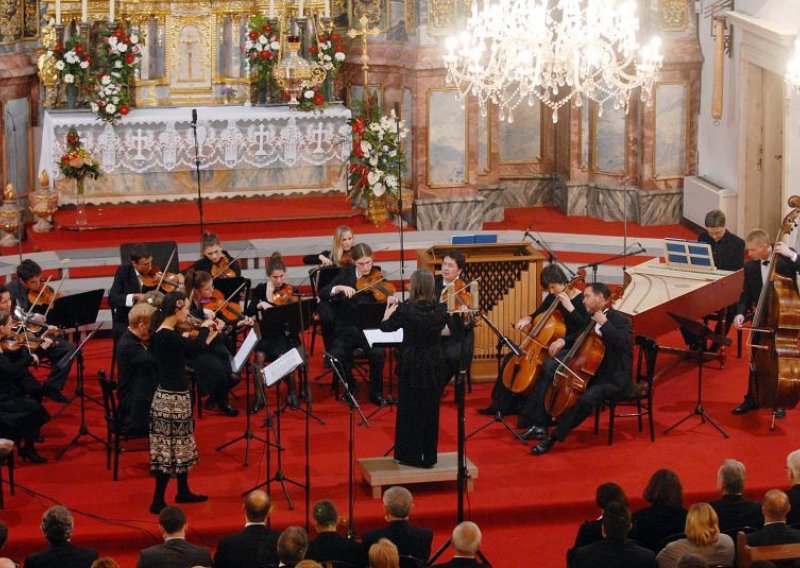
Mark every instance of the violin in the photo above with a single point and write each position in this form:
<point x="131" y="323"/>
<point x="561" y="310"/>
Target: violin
<point x="191" y="326"/>
<point x="156" y="279"/>
<point x="19" y="340"/>
<point x="346" y="259"/>
<point x="229" y="311"/>
<point x="44" y="296"/>
<point x="461" y="290"/>
<point x="222" y="269"/>
<point x="375" y="283"/>
<point x="284" y="295"/>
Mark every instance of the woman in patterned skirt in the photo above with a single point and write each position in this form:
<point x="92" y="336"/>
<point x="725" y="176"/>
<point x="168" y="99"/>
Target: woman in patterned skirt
<point x="172" y="446"/>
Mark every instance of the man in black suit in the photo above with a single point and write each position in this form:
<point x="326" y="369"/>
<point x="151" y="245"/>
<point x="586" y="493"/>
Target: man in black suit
<point x="126" y="289"/>
<point x="138" y="371"/>
<point x="733" y="510"/>
<point x="292" y="546"/>
<point x="613" y="377"/>
<point x="775" y="531"/>
<point x="756" y="271"/>
<point x="256" y="545"/>
<point x="175" y="552"/>
<point x="793" y="473"/>
<point x="29" y="279"/>
<point x="616" y="549"/>
<point x="459" y="345"/>
<point x="410" y="540"/>
<point x="57" y="526"/>
<point x="466" y="542"/>
<point x="329" y="545"/>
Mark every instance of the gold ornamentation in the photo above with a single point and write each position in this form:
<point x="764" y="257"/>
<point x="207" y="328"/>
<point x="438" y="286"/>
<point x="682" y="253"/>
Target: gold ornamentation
<point x="8" y="193"/>
<point x="410" y="17"/>
<point x="10" y="21"/>
<point x="447" y="17"/>
<point x="674" y="14"/>
<point x="43" y="203"/>
<point x="375" y="11"/>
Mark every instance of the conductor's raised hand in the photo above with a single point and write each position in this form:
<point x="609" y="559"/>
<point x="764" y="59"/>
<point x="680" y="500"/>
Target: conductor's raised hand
<point x="390" y="309"/>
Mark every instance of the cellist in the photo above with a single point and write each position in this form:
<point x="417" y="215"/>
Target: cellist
<point x="756" y="270"/>
<point x="612" y="378"/>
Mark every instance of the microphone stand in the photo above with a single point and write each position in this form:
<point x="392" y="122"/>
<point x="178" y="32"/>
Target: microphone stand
<point x="625" y="254"/>
<point x="400" y="206"/>
<point x="197" y="169"/>
<point x="551" y="255"/>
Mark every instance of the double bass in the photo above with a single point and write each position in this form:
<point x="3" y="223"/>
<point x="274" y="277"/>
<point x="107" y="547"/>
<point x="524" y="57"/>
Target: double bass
<point x="775" y="358"/>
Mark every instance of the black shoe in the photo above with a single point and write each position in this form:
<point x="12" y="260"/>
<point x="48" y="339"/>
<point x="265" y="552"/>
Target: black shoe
<point x="523" y="423"/>
<point x="29" y="453"/>
<point x="490" y="410"/>
<point x="779" y="413"/>
<point x="256" y="407"/>
<point x="746" y="406"/>
<point x="293" y="401"/>
<point x="54" y="394"/>
<point x="190" y="498"/>
<point x="210" y="403"/>
<point x="227" y="409"/>
<point x="377" y="399"/>
<point x="155" y="508"/>
<point x="544" y="446"/>
<point x="534" y="432"/>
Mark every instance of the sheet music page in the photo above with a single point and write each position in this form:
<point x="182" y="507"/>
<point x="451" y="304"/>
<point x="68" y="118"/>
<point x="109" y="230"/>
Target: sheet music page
<point x="281" y="367"/>
<point x="247" y="347"/>
<point x="377" y="336"/>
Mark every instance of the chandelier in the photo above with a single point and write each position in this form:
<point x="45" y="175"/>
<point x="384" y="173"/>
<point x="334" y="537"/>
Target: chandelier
<point x="551" y="51"/>
<point x="793" y="68"/>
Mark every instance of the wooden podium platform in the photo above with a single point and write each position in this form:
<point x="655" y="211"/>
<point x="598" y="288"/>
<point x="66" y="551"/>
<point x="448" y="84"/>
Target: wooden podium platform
<point x="384" y="471"/>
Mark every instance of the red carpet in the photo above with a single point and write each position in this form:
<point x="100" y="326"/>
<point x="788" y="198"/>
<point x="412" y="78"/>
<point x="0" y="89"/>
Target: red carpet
<point x="527" y="507"/>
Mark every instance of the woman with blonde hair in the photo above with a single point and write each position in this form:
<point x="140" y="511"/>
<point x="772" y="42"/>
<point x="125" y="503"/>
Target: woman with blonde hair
<point x="383" y="554"/>
<point x="702" y="538"/>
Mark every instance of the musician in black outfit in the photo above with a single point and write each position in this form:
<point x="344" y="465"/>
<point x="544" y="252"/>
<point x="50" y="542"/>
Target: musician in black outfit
<point x="138" y="371"/>
<point x="421" y="367"/>
<point x="341" y="292"/>
<point x="126" y="289"/>
<point x="459" y="346"/>
<point x="215" y="259"/>
<point x="756" y="271"/>
<point x="613" y="376"/>
<point x="29" y="280"/>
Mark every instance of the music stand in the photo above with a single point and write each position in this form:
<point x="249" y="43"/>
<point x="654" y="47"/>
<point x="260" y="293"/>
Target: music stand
<point x="370" y="316"/>
<point x="700" y="335"/>
<point x="293" y="319"/>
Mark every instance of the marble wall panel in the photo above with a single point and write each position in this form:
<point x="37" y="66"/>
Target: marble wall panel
<point x="460" y="213"/>
<point x="495" y="209"/>
<point x="646" y="207"/>
<point x="660" y="207"/>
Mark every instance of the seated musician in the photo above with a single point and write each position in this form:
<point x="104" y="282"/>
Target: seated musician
<point x="459" y="345"/>
<point x="612" y="378"/>
<point x="571" y="309"/>
<point x="21" y="416"/>
<point x="216" y="261"/>
<point x="274" y="342"/>
<point x="756" y="271"/>
<point x="127" y="288"/>
<point x="138" y="371"/>
<point x="212" y="366"/>
<point x="728" y="252"/>
<point x="29" y="284"/>
<point x="342" y="291"/>
<point x="26" y="381"/>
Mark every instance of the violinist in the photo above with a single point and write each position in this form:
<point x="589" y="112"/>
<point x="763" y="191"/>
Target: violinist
<point x="571" y="309"/>
<point x="29" y="282"/>
<point x="342" y="292"/>
<point x="216" y="261"/>
<point x="127" y="288"/>
<point x="274" y="342"/>
<point x="459" y="345"/>
<point x="756" y="270"/>
<point x="21" y="416"/>
<point x="138" y="371"/>
<point x="612" y="378"/>
<point x="27" y="382"/>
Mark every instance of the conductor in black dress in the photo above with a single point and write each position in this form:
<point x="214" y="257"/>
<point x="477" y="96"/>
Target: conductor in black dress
<point x="756" y="272"/>
<point x="421" y="367"/>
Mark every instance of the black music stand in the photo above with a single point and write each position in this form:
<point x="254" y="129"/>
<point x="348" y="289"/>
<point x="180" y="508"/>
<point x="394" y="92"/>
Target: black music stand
<point x="293" y="319"/>
<point x="370" y="316"/>
<point x="700" y="335"/>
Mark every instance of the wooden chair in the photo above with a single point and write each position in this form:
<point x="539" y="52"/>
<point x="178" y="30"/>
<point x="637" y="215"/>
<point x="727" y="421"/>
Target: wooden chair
<point x="746" y="555"/>
<point x="115" y="434"/>
<point x="642" y="396"/>
<point x="7" y="459"/>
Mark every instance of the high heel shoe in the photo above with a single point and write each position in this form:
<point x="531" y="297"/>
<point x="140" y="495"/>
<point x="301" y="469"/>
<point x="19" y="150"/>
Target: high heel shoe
<point x="29" y="453"/>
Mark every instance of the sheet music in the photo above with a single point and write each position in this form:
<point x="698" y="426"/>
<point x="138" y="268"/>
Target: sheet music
<point x="377" y="336"/>
<point x="281" y="367"/>
<point x="242" y="355"/>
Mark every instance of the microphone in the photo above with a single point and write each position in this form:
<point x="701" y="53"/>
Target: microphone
<point x="397" y="110"/>
<point x="194" y="116"/>
<point x="527" y="234"/>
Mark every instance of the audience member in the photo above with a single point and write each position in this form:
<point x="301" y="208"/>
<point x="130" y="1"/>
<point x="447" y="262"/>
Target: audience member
<point x="592" y="531"/>
<point x="5" y="562"/>
<point x="409" y="540"/>
<point x="466" y="542"/>
<point x="256" y="545"/>
<point x="57" y="526"/>
<point x="692" y="561"/>
<point x="793" y="472"/>
<point x="329" y="545"/>
<point x="733" y="510"/>
<point x="616" y="549"/>
<point x="105" y="562"/>
<point x="702" y="538"/>
<point x="292" y="546"/>
<point x="775" y="507"/>
<point x="175" y="552"/>
<point x="665" y="516"/>
<point x="308" y="564"/>
<point x="8" y="563"/>
<point x="384" y="554"/>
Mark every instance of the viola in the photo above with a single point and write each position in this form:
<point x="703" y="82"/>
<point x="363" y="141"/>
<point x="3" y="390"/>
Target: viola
<point x="222" y="269"/>
<point x="229" y="311"/>
<point x="157" y="279"/>
<point x="375" y="284"/>
<point x="284" y="295"/>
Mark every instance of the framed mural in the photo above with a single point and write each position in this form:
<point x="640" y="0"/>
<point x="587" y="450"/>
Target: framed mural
<point x="520" y="141"/>
<point x="608" y="139"/>
<point x="447" y="139"/>
<point x="672" y="118"/>
<point x="376" y="11"/>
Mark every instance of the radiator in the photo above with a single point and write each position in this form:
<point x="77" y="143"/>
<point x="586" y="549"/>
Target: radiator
<point x="701" y="195"/>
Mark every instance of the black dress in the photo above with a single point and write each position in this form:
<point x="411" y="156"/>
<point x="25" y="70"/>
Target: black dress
<point x="206" y="265"/>
<point x="21" y="417"/>
<point x="421" y="368"/>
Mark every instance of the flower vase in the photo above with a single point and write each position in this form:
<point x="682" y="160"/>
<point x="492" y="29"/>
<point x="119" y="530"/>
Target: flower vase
<point x="80" y="203"/>
<point x="376" y="212"/>
<point x="72" y="97"/>
<point x="263" y="91"/>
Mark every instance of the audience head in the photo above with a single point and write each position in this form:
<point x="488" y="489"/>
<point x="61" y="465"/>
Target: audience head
<point x="57" y="524"/>
<point x="8" y="563"/>
<point x="616" y="521"/>
<point x="308" y="564"/>
<point x="326" y="515"/>
<point x="702" y="525"/>
<point x="692" y="561"/>
<point x="423" y="287"/>
<point x="763" y="564"/>
<point x="292" y="545"/>
<point x="257" y="506"/>
<point x="793" y="466"/>
<point x="105" y="562"/>
<point x="610" y="492"/>
<point x="466" y="538"/>
<point x="775" y="506"/>
<point x="384" y="554"/>
<point x="172" y="521"/>
<point x="731" y="477"/>
<point x="664" y="489"/>
<point x="397" y="503"/>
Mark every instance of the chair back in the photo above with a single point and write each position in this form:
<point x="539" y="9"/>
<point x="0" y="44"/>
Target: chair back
<point x="161" y="251"/>
<point x="108" y="388"/>
<point x="646" y="362"/>
<point x="746" y="554"/>
<point x="670" y="538"/>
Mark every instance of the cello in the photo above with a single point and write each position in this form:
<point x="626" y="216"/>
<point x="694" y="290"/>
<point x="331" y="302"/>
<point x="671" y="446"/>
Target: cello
<point x="775" y="359"/>
<point x="520" y="372"/>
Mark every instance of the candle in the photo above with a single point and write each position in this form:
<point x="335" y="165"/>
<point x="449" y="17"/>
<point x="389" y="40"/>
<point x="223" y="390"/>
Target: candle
<point x="327" y="8"/>
<point x="300" y="9"/>
<point x="84" y="10"/>
<point x="111" y="10"/>
<point x="58" y="12"/>
<point x="271" y="8"/>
